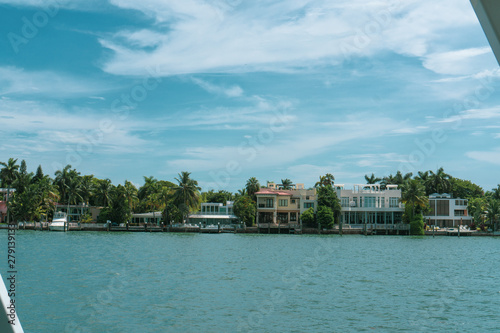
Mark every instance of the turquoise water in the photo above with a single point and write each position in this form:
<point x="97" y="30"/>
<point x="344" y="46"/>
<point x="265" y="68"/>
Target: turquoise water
<point x="150" y="282"/>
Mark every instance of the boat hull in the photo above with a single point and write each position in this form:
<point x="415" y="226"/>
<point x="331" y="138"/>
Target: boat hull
<point x="56" y="227"/>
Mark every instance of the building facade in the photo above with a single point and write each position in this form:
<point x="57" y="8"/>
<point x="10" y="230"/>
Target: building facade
<point x="369" y="204"/>
<point x="214" y="213"/>
<point x="277" y="206"/>
<point x="447" y="212"/>
<point x="76" y="212"/>
<point x="3" y="203"/>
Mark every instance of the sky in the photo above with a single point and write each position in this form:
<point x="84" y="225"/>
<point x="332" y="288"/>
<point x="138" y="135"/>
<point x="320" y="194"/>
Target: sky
<point x="233" y="89"/>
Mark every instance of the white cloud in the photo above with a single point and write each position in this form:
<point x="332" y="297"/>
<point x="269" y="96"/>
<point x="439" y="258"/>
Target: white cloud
<point x="17" y="81"/>
<point x="200" y="36"/>
<point x="485" y="156"/>
<point x="473" y="114"/>
<point x="461" y="62"/>
<point x="234" y="91"/>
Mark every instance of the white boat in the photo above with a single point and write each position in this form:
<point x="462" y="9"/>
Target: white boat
<point x="58" y="222"/>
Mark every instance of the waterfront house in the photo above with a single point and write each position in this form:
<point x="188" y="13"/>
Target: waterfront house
<point x="278" y="207"/>
<point x="76" y="212"/>
<point x="149" y="218"/>
<point x="370" y="204"/>
<point x="3" y="203"/>
<point x="213" y="213"/>
<point x="447" y="211"/>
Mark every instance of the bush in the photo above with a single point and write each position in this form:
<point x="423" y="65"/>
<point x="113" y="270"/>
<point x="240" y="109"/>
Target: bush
<point x="325" y="217"/>
<point x="417" y="225"/>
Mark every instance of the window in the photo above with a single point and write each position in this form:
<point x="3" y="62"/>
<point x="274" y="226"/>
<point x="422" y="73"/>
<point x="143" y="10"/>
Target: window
<point x="308" y="205"/>
<point x="393" y="202"/>
<point x="293" y="201"/>
<point x="269" y="203"/>
<point x="355" y="200"/>
<point x="459" y="213"/>
<point x="369" y="202"/>
<point x="382" y="203"/>
<point x="344" y="201"/>
<point x="293" y="217"/>
<point x="283" y="203"/>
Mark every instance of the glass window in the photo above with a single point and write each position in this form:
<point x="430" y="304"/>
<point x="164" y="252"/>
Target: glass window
<point x="308" y="205"/>
<point x="283" y="203"/>
<point x="393" y="202"/>
<point x="269" y="203"/>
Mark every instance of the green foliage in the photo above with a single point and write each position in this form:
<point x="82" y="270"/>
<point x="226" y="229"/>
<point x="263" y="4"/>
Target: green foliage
<point x="325" y="217"/>
<point x="417" y="225"/>
<point x="327" y="197"/>
<point x="245" y="208"/>
<point x="465" y="189"/>
<point x="220" y="196"/>
<point x="307" y="217"/>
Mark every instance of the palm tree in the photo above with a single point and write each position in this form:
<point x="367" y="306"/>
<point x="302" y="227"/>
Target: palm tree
<point x="493" y="211"/>
<point x="496" y="193"/>
<point x="131" y="194"/>
<point x="48" y="195"/>
<point x="414" y="194"/>
<point x="186" y="195"/>
<point x="325" y="180"/>
<point x="425" y="179"/>
<point x="286" y="184"/>
<point x="103" y="191"/>
<point x="87" y="188"/>
<point x="252" y="186"/>
<point x="372" y="179"/>
<point x="9" y="175"/>
<point x="73" y="191"/>
<point x="63" y="179"/>
<point x="440" y="181"/>
<point x="150" y="187"/>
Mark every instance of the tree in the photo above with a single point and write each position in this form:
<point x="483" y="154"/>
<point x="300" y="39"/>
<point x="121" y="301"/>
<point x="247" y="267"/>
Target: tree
<point x="220" y="196"/>
<point x="245" y="208"/>
<point x="62" y="180"/>
<point x="103" y="191"/>
<point x="23" y="179"/>
<point x="465" y="189"/>
<point x="372" y="179"/>
<point x="327" y="197"/>
<point x="440" y="181"/>
<point x="493" y="212"/>
<point x="325" y="217"/>
<point x="9" y="175"/>
<point x="307" y="217"/>
<point x="417" y="225"/>
<point x="325" y="180"/>
<point x="252" y="187"/>
<point x="186" y="194"/>
<point x="131" y="194"/>
<point x="39" y="174"/>
<point x="496" y="192"/>
<point x="287" y="184"/>
<point x="413" y="194"/>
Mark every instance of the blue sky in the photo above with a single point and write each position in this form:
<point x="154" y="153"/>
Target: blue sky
<point x="231" y="89"/>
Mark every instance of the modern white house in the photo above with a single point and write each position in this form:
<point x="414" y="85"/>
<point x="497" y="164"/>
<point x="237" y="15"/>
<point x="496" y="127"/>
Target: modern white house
<point x="370" y="204"/>
<point x="447" y="211"/>
<point x="212" y="213"/>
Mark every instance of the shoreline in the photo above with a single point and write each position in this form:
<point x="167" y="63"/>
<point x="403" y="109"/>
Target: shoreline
<point x="43" y="226"/>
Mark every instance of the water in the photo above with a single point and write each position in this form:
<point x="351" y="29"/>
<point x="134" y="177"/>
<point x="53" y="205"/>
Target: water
<point x="151" y="282"/>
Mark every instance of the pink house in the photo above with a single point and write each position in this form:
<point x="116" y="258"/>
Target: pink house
<point x="3" y="204"/>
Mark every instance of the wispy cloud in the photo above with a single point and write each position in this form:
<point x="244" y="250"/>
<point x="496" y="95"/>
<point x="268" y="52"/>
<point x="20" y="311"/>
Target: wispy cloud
<point x="473" y="114"/>
<point x="17" y="81"/>
<point x="233" y="91"/>
<point x="492" y="157"/>
<point x="277" y="36"/>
